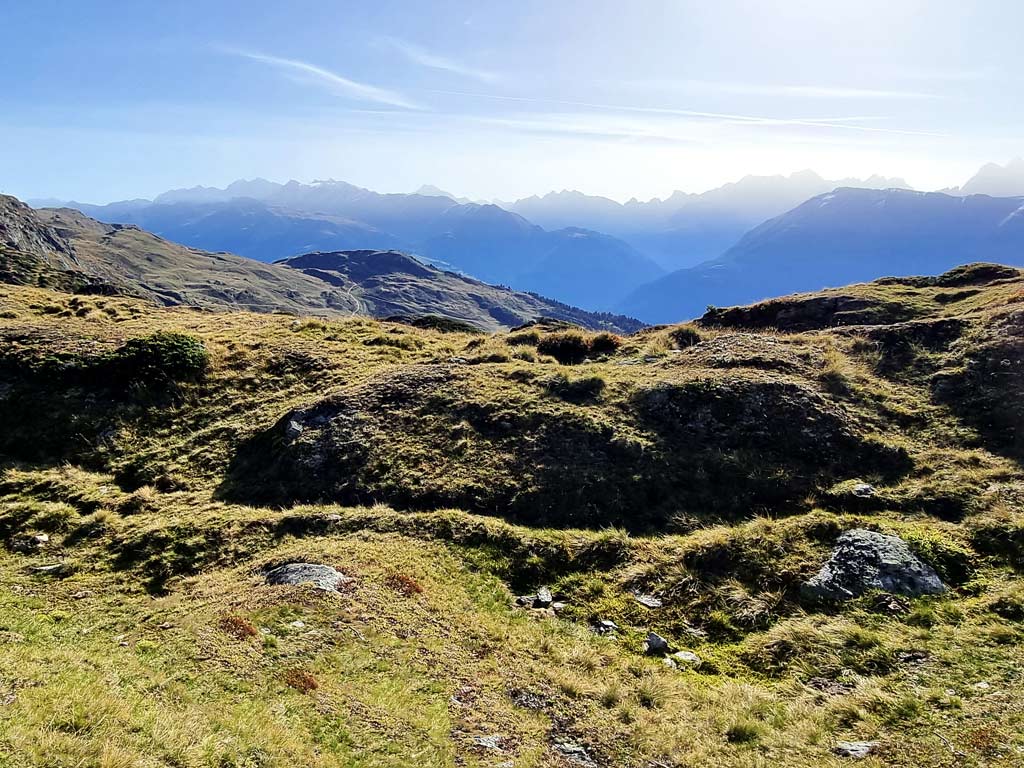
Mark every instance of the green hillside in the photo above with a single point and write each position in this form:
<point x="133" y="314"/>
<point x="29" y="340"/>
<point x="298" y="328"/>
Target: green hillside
<point x="683" y="480"/>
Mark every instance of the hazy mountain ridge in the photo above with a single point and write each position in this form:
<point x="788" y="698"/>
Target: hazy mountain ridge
<point x="845" y="236"/>
<point x="270" y="221"/>
<point x="685" y="229"/>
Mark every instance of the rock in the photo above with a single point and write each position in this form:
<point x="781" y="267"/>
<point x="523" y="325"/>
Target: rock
<point x="863" y="490"/>
<point x="890" y="605"/>
<point x="574" y="753"/>
<point x="647" y="601"/>
<point x="604" y="626"/>
<point x="321" y="576"/>
<point x="688" y="658"/>
<point x="912" y="657"/>
<point x="525" y="601"/>
<point x="490" y="742"/>
<point x="543" y="599"/>
<point x="656" y="644"/>
<point x="863" y="561"/>
<point x="858" y="750"/>
<point x="293" y="429"/>
<point x="829" y="687"/>
<point x="56" y="569"/>
<point x="558" y="607"/>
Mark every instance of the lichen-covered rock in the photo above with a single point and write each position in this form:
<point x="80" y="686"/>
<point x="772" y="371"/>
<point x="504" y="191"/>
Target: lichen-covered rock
<point x="321" y="576"/>
<point x="863" y="561"/>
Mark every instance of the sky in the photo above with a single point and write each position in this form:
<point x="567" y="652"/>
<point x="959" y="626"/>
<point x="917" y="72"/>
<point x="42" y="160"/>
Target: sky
<point x="103" y="100"/>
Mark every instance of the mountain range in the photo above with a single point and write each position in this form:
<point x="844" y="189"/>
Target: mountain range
<point x="596" y="253"/>
<point x="845" y="236"/>
<point x="65" y="249"/>
<point x="267" y="221"/>
<point x="685" y="229"/>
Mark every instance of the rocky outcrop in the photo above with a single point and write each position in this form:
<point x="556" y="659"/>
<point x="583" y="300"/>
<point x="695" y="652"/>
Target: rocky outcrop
<point x="295" y="574"/>
<point x="863" y="561"/>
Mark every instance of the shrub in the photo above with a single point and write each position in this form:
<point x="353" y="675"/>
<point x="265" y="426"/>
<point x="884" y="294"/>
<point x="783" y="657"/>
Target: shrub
<point x="238" y="627"/>
<point x="604" y="344"/>
<point x="523" y="339"/>
<point x="568" y="347"/>
<point x="744" y="731"/>
<point x="578" y="391"/>
<point x="572" y="347"/>
<point x="300" y="680"/>
<point x="404" y="584"/>
<point x="159" y="358"/>
<point x="684" y="336"/>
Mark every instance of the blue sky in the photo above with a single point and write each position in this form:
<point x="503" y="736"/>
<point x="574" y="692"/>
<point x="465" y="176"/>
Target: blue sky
<point x="107" y="100"/>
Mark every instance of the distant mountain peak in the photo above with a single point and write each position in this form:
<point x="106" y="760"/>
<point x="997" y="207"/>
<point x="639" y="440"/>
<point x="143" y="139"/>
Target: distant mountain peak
<point x="997" y="180"/>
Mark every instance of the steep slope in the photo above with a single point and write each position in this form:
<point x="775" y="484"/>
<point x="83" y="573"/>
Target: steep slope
<point x="845" y="236"/>
<point x="159" y="469"/>
<point x="686" y="229"/>
<point x="484" y="241"/>
<point x="390" y="283"/>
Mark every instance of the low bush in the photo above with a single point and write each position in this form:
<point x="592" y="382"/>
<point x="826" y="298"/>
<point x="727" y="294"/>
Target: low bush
<point x="573" y="347"/>
<point x="157" y="359"/>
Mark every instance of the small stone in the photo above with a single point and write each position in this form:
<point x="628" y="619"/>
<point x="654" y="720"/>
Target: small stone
<point x="524" y="601"/>
<point x="490" y="742"/>
<point x="604" y="626"/>
<point x="689" y="658"/>
<point x="982" y="686"/>
<point x="166" y="625"/>
<point x="298" y="624"/>
<point x="829" y="687"/>
<point x="863" y="490"/>
<point x="293" y="429"/>
<point x="543" y="599"/>
<point x="648" y="601"/>
<point x="334" y="517"/>
<point x="574" y="753"/>
<point x="912" y="657"/>
<point x="656" y="644"/>
<point x="558" y="607"/>
<point x="55" y="569"/>
<point x="857" y="750"/>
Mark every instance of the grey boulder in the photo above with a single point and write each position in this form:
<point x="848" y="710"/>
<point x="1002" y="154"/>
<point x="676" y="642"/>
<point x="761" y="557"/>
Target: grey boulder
<point x="857" y="750"/>
<point x="863" y="561"/>
<point x="320" y="576"/>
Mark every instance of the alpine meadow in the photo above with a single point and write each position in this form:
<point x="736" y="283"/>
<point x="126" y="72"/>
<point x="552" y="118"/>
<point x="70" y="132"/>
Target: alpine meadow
<point x="643" y="447"/>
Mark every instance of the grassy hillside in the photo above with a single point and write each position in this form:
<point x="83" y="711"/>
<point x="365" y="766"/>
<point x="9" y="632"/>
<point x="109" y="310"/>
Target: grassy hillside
<point x="65" y="250"/>
<point x="156" y="462"/>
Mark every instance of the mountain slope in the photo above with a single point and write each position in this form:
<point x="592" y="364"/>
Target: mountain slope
<point x="387" y="283"/>
<point x="65" y="249"/>
<point x="485" y="241"/>
<point x="846" y="236"/>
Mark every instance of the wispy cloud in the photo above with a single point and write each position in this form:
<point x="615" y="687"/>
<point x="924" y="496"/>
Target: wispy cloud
<point x="425" y="58"/>
<point x="772" y="89"/>
<point x="852" y="123"/>
<point x="331" y="81"/>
